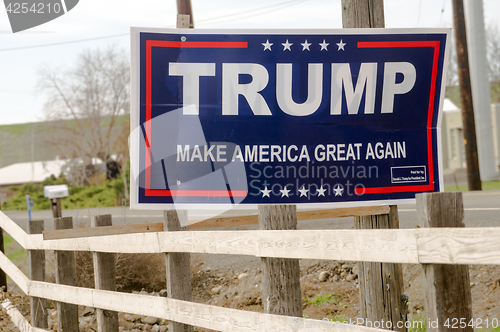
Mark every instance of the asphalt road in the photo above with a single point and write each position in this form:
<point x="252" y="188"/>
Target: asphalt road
<point x="482" y="209"/>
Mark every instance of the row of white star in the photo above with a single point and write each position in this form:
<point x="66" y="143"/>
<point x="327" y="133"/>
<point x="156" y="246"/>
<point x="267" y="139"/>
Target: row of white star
<point x="287" y="46"/>
<point x="338" y="189"/>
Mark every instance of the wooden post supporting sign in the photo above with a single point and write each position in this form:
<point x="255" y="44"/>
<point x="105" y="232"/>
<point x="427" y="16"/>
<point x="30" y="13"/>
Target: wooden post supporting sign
<point x="448" y="300"/>
<point x="178" y="263"/>
<point x="281" y="294"/>
<point x="105" y="278"/>
<point x="178" y="267"/>
<point x="381" y="284"/>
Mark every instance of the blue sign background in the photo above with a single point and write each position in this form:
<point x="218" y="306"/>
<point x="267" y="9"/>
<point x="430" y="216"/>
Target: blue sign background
<point x="362" y="179"/>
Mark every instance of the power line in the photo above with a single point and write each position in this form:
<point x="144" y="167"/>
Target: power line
<point x="62" y="43"/>
<point x="281" y="5"/>
<point x="273" y="8"/>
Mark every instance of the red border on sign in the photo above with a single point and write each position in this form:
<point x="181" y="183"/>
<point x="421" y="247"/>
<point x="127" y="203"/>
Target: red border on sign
<point x="396" y="44"/>
<point x="178" y="193"/>
<point x="242" y="193"/>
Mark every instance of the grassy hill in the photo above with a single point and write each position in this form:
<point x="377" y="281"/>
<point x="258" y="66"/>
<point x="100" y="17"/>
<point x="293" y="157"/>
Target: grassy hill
<point x="18" y="142"/>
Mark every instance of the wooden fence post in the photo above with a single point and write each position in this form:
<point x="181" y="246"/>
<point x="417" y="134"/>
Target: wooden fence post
<point x="446" y="287"/>
<point x="178" y="263"/>
<point x="281" y="293"/>
<point x="105" y="279"/>
<point x="37" y="272"/>
<point x="178" y="267"/>
<point x="381" y="284"/>
<point x="3" y="276"/>
<point x="66" y="275"/>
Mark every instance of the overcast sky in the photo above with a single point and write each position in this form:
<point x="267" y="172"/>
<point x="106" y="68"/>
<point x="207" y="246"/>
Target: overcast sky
<point x="53" y="43"/>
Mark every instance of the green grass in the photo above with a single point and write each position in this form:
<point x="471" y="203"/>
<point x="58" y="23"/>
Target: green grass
<point x="418" y="322"/>
<point x="322" y="299"/>
<point x="101" y="195"/>
<point x="338" y="318"/>
<point x="16" y="128"/>
<point x="15" y="253"/>
<point x="413" y="318"/>
<point x="496" y="329"/>
<point x="492" y="185"/>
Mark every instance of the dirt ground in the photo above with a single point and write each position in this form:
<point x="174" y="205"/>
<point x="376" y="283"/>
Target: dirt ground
<point x="235" y="282"/>
<point x="223" y="288"/>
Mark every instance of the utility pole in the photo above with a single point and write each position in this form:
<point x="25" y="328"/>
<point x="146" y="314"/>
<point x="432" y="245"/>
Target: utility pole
<point x="481" y="98"/>
<point x="184" y="8"/>
<point x="471" y="154"/>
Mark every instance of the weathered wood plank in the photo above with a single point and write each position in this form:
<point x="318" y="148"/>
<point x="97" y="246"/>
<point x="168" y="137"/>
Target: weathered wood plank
<point x="381" y="284"/>
<point x="18" y="319"/>
<point x="102" y="231"/>
<point x="37" y="272"/>
<point x="211" y="317"/>
<point x="197" y="314"/>
<point x="13" y="229"/>
<point x="14" y="273"/>
<point x="446" y="287"/>
<point x="363" y="14"/>
<point x="281" y="293"/>
<point x="459" y="245"/>
<point x="361" y="245"/>
<point x="212" y="222"/>
<point x="66" y="275"/>
<point x="178" y="266"/>
<point x="438" y="245"/>
<point x="105" y="278"/>
<point x="301" y="215"/>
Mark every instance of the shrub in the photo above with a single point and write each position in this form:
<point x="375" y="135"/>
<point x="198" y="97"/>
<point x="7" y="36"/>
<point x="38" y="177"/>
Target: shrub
<point x="133" y="271"/>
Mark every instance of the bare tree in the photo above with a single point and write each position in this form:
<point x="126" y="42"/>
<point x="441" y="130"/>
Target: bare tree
<point x="493" y="56"/>
<point x="84" y="103"/>
<point x="452" y="76"/>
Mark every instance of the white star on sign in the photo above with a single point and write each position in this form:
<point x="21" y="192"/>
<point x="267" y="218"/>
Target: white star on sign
<point x="286" y="45"/>
<point x="341" y="45"/>
<point x="284" y="192"/>
<point x="267" y="45"/>
<point x="321" y="191"/>
<point x="303" y="191"/>
<point x="305" y="45"/>
<point x="338" y="190"/>
<point x="265" y="192"/>
<point x="324" y="45"/>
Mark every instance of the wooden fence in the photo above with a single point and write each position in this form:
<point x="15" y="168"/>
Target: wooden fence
<point x="428" y="246"/>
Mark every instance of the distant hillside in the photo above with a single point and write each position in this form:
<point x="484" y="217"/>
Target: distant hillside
<point x="19" y="141"/>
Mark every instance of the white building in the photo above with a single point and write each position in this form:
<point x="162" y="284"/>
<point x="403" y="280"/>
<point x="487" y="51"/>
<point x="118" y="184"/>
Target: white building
<point x="452" y="136"/>
<point x="38" y="171"/>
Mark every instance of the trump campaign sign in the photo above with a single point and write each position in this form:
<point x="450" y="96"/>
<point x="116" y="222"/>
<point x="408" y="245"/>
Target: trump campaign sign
<point x="247" y="117"/>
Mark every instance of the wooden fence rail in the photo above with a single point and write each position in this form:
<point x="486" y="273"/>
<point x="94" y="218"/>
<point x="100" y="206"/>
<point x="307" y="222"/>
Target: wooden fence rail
<point x="201" y="315"/>
<point x="413" y="246"/>
<point x="212" y="222"/>
<point x="446" y="245"/>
